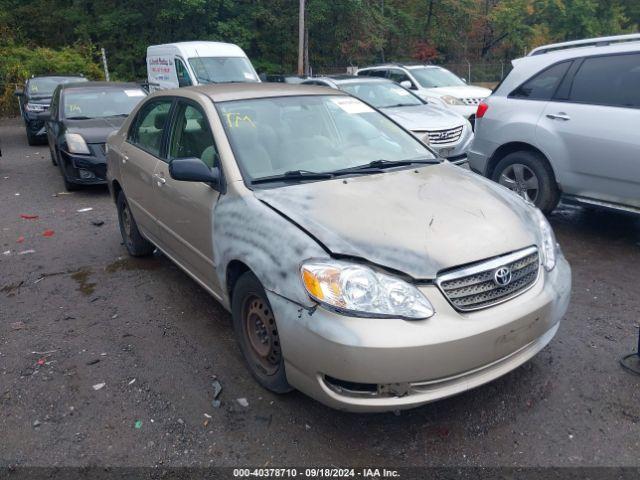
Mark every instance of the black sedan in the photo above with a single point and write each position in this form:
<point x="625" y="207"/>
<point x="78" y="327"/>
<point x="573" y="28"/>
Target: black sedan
<point x="35" y="99"/>
<point x="81" y="117"/>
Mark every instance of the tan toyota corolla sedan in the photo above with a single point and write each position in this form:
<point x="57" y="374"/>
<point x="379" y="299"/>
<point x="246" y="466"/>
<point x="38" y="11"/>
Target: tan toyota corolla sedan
<point x="358" y="267"/>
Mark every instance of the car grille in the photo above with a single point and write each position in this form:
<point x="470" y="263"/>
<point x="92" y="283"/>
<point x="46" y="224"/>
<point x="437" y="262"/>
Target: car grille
<point x="474" y="287"/>
<point x="472" y="101"/>
<point x="439" y="137"/>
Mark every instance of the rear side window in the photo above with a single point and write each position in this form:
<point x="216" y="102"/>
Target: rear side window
<point x="543" y="85"/>
<point x="373" y="73"/>
<point x="146" y="131"/>
<point x="612" y="80"/>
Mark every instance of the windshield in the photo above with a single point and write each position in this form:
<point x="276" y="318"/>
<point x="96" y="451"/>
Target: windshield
<point x="312" y="134"/>
<point x="381" y="94"/>
<point x="80" y="103"/>
<point x="46" y="85"/>
<point x="222" y="69"/>
<point x="433" y="77"/>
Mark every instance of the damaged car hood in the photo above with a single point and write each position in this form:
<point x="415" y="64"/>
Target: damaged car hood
<point x="416" y="221"/>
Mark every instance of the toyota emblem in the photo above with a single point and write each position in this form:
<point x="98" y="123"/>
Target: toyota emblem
<point x="502" y="276"/>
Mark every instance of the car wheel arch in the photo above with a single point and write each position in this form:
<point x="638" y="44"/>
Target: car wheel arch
<point x="235" y="269"/>
<point x="512" y="147"/>
<point x="116" y="188"/>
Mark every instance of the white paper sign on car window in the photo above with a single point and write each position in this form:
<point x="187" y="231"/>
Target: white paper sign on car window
<point x="134" y="93"/>
<point x="249" y="76"/>
<point x="351" y="105"/>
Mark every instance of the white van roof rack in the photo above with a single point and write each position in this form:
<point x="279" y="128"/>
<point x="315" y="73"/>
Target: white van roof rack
<point x="589" y="42"/>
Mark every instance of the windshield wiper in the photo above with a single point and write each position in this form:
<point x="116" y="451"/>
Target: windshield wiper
<point x="293" y="175"/>
<point x="377" y="166"/>
<point x="401" y="105"/>
<point x="79" y="118"/>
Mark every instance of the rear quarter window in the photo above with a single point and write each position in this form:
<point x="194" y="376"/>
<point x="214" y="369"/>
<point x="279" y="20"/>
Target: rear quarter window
<point x="543" y="85"/>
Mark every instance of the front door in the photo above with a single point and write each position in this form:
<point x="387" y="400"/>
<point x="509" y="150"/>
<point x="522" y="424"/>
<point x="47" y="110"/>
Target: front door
<point x="185" y="209"/>
<point x="596" y="125"/>
<point x="140" y="157"/>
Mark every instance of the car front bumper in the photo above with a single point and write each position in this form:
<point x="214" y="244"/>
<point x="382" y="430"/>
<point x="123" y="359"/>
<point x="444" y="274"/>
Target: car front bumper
<point x="372" y="365"/>
<point x="34" y="125"/>
<point x="86" y="169"/>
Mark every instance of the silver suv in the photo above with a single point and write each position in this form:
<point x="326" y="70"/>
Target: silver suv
<point x="565" y="123"/>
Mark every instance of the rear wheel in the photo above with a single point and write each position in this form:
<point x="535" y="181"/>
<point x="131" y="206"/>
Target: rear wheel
<point x="256" y="331"/>
<point x="136" y="244"/>
<point x="529" y="175"/>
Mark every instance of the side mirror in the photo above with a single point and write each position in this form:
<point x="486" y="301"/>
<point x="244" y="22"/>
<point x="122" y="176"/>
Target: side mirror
<point x="19" y="93"/>
<point x="194" y="170"/>
<point x="406" y="84"/>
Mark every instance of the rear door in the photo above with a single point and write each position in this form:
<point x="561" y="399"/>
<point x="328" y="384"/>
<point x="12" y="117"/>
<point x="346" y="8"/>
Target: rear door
<point x="593" y="123"/>
<point x="140" y="157"/>
<point x="185" y="209"/>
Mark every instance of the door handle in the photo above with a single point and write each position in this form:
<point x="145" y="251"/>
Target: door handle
<point x="559" y="116"/>
<point x="160" y="179"/>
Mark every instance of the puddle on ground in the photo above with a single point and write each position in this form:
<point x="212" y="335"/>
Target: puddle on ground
<point x="82" y="278"/>
<point x="131" y="263"/>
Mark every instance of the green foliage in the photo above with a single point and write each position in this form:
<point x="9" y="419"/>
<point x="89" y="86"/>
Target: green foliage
<point x="340" y="32"/>
<point x="20" y="62"/>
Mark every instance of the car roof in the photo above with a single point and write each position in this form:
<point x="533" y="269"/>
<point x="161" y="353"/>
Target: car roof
<point x="346" y="79"/>
<point x="58" y="75"/>
<point x="88" y="85"/>
<point x="398" y="65"/>
<point x="223" y="92"/>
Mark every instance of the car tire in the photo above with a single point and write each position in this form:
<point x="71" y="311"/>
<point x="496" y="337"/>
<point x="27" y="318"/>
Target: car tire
<point x="135" y="243"/>
<point x="69" y="186"/>
<point x="32" y="140"/>
<point x="525" y="172"/>
<point x="256" y="332"/>
<point x="53" y="157"/>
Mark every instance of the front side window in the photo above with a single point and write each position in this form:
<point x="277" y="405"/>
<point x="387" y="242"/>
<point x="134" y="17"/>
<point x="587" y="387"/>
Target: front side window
<point x="320" y="134"/>
<point x="191" y="136"/>
<point x="398" y="76"/>
<point x="611" y="80"/>
<point x="434" y="77"/>
<point x="373" y="73"/>
<point x="184" y="80"/>
<point x="222" y="69"/>
<point x="147" y="129"/>
<point x="543" y="85"/>
<point x="382" y="94"/>
<point x="80" y="103"/>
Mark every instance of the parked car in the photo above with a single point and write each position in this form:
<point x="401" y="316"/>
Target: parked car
<point x="446" y="132"/>
<point x="434" y="84"/>
<point x="358" y="267"/>
<point x="35" y="98"/>
<point x="183" y="64"/>
<point x="81" y="117"/>
<point x="285" y="78"/>
<point x="565" y="123"/>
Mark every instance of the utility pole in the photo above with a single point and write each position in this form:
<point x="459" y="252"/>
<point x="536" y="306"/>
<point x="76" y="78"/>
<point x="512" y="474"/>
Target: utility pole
<point x="104" y="64"/>
<point x="301" y="39"/>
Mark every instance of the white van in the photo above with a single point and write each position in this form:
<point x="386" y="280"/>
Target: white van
<point x="183" y="64"/>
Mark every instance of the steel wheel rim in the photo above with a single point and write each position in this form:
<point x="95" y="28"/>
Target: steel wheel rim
<point x="260" y="330"/>
<point x="522" y="180"/>
<point x="126" y="222"/>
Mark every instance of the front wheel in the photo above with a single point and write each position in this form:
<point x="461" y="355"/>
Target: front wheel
<point x="529" y="175"/>
<point x="136" y="244"/>
<point x="255" y="328"/>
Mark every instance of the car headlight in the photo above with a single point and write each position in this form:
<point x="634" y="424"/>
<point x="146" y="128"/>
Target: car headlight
<point x="76" y="144"/>
<point x="35" y="107"/>
<point x="360" y="290"/>
<point x="548" y="245"/>
<point x="449" y="100"/>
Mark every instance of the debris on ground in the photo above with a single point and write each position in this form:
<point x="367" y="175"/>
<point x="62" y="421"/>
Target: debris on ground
<point x="41" y="361"/>
<point x="138" y="424"/>
<point x="97" y="223"/>
<point x="98" y="386"/>
<point x="7" y="252"/>
<point x="217" y="389"/>
<point x="243" y="402"/>
<point x="20" y="239"/>
<point x="93" y="362"/>
<point x="87" y="209"/>
<point x="48" y="233"/>
<point x="28" y="217"/>
<point x="26" y="252"/>
<point x="36" y="423"/>
<point x="17" y="326"/>
<point x="132" y="382"/>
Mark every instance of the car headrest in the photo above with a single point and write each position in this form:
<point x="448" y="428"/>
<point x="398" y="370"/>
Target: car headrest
<point x="159" y="120"/>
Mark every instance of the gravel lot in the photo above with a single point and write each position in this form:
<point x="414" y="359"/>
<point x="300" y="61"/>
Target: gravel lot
<point x="78" y="312"/>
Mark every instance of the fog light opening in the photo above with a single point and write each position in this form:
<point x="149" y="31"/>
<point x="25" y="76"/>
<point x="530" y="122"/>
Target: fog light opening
<point x="353" y="389"/>
<point x="86" y="174"/>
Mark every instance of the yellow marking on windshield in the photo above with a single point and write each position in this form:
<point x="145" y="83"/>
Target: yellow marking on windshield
<point x="234" y="119"/>
<point x="74" y="107"/>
